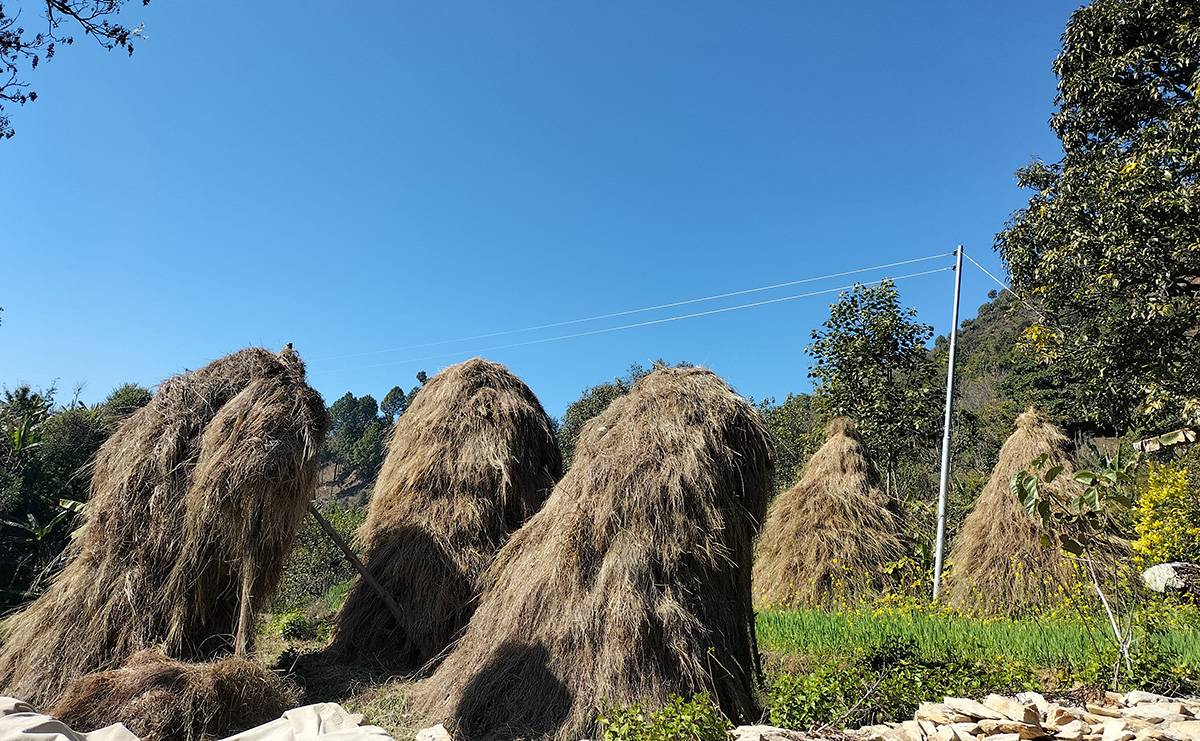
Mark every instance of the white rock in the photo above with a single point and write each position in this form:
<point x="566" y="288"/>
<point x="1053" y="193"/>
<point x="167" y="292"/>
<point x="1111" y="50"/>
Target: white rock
<point x="1137" y="697"/>
<point x="990" y="727"/>
<point x="912" y="730"/>
<point x="879" y="732"/>
<point x="1035" y="699"/>
<point x="1058" y="716"/>
<point x="974" y="709"/>
<point x="1117" y="730"/>
<point x="944" y="733"/>
<point x="434" y="733"/>
<point x="1013" y="709"/>
<point x="1157" y="711"/>
<point x="1073" y="731"/>
<point x="1188" y="729"/>
<point x="940" y="713"/>
<point x="766" y="733"/>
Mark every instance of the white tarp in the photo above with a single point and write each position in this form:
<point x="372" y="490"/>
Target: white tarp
<point x="328" y="720"/>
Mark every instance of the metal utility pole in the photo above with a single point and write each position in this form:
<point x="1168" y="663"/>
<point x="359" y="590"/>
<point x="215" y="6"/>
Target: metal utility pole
<point x="940" y="548"/>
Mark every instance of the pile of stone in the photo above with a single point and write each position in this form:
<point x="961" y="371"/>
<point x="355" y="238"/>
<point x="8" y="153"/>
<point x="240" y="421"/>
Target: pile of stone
<point x="1136" y="716"/>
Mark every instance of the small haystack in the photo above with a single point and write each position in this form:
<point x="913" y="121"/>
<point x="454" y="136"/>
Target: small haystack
<point x="159" y="699"/>
<point x="194" y="502"/>
<point x="468" y="463"/>
<point x="829" y="537"/>
<point x="632" y="582"/>
<point x="999" y="563"/>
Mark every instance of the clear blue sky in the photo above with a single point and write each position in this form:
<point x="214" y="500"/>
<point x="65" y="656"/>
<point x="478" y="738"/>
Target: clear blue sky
<point x="356" y="176"/>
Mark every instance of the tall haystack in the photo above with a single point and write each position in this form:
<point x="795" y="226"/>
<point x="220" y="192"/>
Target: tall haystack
<point x="194" y="502"/>
<point x="468" y="463"/>
<point x="829" y="537"/>
<point x="999" y="563"/>
<point x="159" y="699"/>
<point x="632" y="582"/>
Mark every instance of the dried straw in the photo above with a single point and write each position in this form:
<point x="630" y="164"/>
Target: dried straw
<point x="468" y="463"/>
<point x="194" y="502"/>
<point x="632" y="582"/>
<point x="829" y="538"/>
<point x="999" y="565"/>
<point x="159" y="699"/>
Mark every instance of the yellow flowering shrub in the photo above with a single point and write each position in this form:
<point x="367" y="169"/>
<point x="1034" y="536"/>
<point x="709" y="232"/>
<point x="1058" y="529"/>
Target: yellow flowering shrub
<point x="1168" y="518"/>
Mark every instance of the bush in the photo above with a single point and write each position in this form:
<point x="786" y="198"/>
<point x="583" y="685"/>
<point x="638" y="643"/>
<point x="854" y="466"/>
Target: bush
<point x="697" y="719"/>
<point x="316" y="565"/>
<point x="1168" y="517"/>
<point x="886" y="683"/>
<point x="295" y="626"/>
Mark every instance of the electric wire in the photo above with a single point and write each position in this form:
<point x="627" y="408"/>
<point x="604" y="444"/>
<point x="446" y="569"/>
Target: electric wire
<point x="1005" y="286"/>
<point x="634" y="325"/>
<point x="632" y="311"/>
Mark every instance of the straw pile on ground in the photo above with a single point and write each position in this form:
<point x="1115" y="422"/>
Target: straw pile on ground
<point x="194" y="502"/>
<point x="631" y="583"/>
<point x="999" y="563"/>
<point x="164" y="700"/>
<point x="829" y="537"/>
<point x="468" y="463"/>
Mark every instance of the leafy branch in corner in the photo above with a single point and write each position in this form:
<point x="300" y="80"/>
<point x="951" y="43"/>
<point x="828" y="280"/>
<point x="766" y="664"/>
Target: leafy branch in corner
<point x="20" y="47"/>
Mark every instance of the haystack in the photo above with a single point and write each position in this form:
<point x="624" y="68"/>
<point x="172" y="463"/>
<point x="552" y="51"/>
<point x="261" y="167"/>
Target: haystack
<point x="468" y="463"/>
<point x="194" y="502"/>
<point x="999" y="565"/>
<point x="829" y="537"/>
<point x="632" y="582"/>
<point x="159" y="699"/>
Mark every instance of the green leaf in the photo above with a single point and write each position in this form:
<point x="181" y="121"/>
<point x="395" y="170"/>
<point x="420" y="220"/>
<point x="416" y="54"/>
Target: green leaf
<point x="1053" y="474"/>
<point x="1070" y="546"/>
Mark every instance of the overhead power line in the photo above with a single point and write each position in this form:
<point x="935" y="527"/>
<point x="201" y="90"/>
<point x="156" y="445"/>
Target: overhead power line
<point x="627" y="312"/>
<point x="1006" y="287"/>
<point x="640" y="324"/>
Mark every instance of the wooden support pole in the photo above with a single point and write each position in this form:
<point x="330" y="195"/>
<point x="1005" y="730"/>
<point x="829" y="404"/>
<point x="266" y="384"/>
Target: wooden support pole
<point x="357" y="564"/>
<point x="242" y="645"/>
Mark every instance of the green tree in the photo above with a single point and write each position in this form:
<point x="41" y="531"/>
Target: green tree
<point x="422" y="378"/>
<point x="791" y="424"/>
<point x="394" y="404"/>
<point x="45" y="454"/>
<point x="70" y="439"/>
<point x="1109" y="244"/>
<point x="126" y="399"/>
<point x="871" y="364"/>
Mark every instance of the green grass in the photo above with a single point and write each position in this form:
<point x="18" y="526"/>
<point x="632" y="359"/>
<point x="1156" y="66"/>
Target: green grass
<point x="854" y="667"/>
<point x="1041" y="642"/>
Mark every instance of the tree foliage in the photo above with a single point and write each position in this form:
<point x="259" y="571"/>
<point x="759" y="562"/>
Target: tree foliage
<point x="1109" y="245"/>
<point x="791" y="424"/>
<point x="357" y="435"/>
<point x="394" y="404"/>
<point x="127" y="399"/>
<point x="22" y="50"/>
<point x="46" y="452"/>
<point x="871" y="364"/>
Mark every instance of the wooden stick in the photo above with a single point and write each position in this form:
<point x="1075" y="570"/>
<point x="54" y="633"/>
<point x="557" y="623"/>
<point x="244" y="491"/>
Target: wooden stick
<point x="242" y="646"/>
<point x="358" y="565"/>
